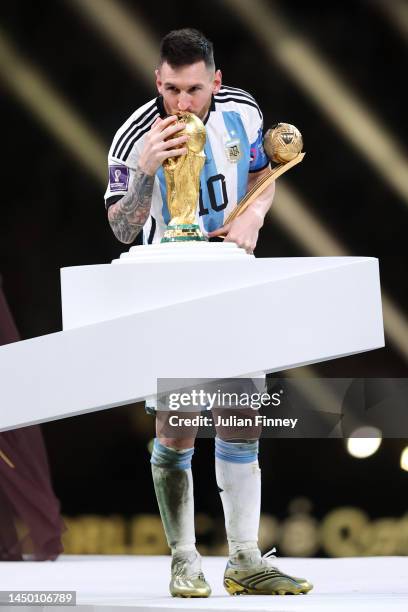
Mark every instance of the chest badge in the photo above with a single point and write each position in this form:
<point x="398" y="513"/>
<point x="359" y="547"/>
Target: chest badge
<point x="233" y="150"/>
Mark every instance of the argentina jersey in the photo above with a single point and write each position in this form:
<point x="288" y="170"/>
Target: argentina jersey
<point x="233" y="150"/>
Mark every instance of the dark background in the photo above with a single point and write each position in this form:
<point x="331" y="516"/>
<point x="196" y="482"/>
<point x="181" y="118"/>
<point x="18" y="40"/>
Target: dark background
<point x="53" y="216"/>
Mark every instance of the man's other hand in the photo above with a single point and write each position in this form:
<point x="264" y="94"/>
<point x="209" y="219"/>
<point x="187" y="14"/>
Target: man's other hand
<point x="243" y="230"/>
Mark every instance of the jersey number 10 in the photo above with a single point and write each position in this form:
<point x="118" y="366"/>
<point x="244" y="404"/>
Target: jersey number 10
<point x="211" y="195"/>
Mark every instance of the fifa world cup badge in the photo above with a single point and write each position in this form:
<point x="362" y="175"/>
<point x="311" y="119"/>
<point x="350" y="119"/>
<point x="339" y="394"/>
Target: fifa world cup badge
<point x="233" y="150"/>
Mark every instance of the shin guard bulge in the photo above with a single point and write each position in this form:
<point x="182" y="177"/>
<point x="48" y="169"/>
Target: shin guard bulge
<point x="239" y="483"/>
<point x="173" y="484"/>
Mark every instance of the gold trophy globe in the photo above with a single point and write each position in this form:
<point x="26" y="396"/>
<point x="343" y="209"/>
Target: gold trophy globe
<point x="182" y="175"/>
<point x="283" y="142"/>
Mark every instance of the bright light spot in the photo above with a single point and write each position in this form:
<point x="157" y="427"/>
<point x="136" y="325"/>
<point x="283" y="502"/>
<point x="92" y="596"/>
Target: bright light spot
<point x="404" y="459"/>
<point x="364" y="441"/>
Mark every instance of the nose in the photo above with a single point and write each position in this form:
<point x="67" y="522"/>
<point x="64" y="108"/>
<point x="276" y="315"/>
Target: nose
<point x="184" y="101"/>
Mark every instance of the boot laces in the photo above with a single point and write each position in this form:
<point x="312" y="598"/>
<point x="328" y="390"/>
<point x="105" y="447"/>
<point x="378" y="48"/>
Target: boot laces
<point x="270" y="554"/>
<point x="267" y="558"/>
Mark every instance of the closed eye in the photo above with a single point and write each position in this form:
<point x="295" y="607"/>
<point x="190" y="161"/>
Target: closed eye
<point x="175" y="89"/>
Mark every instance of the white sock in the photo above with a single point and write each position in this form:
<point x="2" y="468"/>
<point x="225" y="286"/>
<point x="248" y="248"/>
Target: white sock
<point x="240" y="491"/>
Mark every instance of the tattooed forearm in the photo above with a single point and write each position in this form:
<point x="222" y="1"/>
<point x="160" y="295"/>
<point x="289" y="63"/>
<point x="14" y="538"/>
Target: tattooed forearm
<point x="130" y="213"/>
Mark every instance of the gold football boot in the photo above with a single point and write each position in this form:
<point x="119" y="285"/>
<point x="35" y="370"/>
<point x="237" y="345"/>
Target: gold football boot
<point x="255" y="575"/>
<point x="187" y="578"/>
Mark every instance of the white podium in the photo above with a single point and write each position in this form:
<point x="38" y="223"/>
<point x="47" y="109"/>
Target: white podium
<point x="196" y="310"/>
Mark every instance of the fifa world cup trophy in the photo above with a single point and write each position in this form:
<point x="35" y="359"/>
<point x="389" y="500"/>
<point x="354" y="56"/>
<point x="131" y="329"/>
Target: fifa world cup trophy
<point x="182" y="176"/>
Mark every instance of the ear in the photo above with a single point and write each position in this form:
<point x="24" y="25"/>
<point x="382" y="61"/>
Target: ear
<point x="159" y="83"/>
<point x="217" y="81"/>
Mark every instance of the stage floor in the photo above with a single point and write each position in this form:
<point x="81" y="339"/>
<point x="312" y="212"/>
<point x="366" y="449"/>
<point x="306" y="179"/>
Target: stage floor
<point x="110" y="583"/>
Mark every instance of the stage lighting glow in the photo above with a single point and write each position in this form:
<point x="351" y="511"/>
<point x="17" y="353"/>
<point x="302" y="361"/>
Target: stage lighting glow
<point x="404" y="459"/>
<point x="364" y="442"/>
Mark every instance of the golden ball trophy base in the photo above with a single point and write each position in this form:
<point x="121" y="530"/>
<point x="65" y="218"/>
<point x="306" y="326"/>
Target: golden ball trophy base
<point x="182" y="233"/>
<point x="261" y="185"/>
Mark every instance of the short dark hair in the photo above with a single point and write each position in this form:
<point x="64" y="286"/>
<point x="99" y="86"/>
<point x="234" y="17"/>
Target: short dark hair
<point x="184" y="47"/>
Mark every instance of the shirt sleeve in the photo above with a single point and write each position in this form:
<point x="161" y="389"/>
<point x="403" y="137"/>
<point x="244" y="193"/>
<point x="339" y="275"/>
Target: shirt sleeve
<point x="259" y="159"/>
<point x="119" y="177"/>
<point x="254" y="126"/>
<point x="121" y="168"/>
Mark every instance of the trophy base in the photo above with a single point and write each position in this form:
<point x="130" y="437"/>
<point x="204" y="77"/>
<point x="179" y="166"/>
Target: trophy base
<point x="182" y="233"/>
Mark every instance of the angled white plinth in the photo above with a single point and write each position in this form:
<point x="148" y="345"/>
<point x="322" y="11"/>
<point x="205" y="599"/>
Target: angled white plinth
<point x="127" y="325"/>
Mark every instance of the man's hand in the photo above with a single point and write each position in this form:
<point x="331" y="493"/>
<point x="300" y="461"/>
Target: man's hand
<point x="159" y="144"/>
<point x="243" y="230"/>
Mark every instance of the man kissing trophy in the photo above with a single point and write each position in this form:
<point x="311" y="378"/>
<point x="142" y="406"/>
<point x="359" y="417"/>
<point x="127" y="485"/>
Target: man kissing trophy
<point x="193" y="166"/>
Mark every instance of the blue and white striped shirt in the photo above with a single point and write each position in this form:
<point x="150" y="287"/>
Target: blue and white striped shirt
<point x="233" y="149"/>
